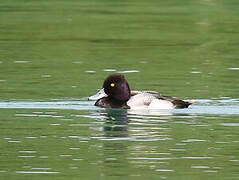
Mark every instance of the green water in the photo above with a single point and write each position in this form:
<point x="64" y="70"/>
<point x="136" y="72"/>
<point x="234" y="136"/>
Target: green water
<point x="58" y="51"/>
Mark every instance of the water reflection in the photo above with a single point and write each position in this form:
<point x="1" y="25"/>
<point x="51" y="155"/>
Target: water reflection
<point x="114" y="150"/>
<point x="128" y="142"/>
<point x="158" y="143"/>
<point x="116" y="123"/>
<point x="119" y="142"/>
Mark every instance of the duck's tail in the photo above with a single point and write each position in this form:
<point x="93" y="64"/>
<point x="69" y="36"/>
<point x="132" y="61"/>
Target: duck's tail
<point x="179" y="104"/>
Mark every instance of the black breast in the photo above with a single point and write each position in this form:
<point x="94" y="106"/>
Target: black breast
<point x="107" y="102"/>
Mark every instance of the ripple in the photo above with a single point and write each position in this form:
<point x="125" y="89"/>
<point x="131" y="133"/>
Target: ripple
<point x="229" y="124"/>
<point x="27" y="151"/>
<point x="45" y="115"/>
<point x="150" y="139"/>
<point x="21" y="61"/>
<point x="78" y="105"/>
<point x="55" y="124"/>
<point x="194" y="140"/>
<point x="109" y="70"/>
<point x="26" y="156"/>
<point x="196" y="157"/>
<point x="151" y="158"/>
<point x="90" y="71"/>
<point x="77" y="159"/>
<point x="128" y="71"/>
<point x="26" y="167"/>
<point x="26" y="115"/>
<point x="195" y="72"/>
<point x="66" y="155"/>
<point x="177" y="150"/>
<point x="43" y="157"/>
<point x="37" y="172"/>
<point x="45" y="76"/>
<point x="164" y="170"/>
<point x="113" y="138"/>
<point x="31" y="137"/>
<point x="234" y="160"/>
<point x="234" y="68"/>
<point x="111" y="159"/>
<point x="77" y="62"/>
<point x="210" y="171"/>
<point x="199" y="167"/>
<point x="12" y="141"/>
<point x="42" y="168"/>
<point x="74" y="148"/>
<point x="84" y="125"/>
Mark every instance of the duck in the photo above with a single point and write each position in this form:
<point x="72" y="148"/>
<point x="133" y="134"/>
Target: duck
<point x="101" y="93"/>
<point x="116" y="93"/>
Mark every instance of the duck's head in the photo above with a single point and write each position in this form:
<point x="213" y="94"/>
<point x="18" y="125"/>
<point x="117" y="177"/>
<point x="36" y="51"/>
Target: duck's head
<point x="116" y="87"/>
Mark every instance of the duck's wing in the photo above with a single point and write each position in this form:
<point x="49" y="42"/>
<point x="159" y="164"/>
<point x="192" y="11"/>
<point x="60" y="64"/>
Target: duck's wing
<point x="153" y="93"/>
<point x="141" y="99"/>
<point x="178" y="103"/>
<point x="156" y="101"/>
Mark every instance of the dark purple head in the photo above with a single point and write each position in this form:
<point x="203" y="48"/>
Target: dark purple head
<point x="116" y="86"/>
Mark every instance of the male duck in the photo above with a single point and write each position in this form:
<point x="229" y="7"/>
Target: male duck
<point x="116" y="93"/>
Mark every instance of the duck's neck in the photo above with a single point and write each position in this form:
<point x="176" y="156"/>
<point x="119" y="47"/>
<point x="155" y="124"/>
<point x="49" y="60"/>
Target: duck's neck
<point x="117" y="104"/>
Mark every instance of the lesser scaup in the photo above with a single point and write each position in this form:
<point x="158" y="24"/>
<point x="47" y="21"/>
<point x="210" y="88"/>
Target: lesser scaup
<point x="116" y="93"/>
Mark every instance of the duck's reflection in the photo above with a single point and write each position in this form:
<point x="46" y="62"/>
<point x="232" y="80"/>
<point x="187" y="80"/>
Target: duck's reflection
<point x="116" y="124"/>
<point x="123" y="140"/>
<point x="115" y="150"/>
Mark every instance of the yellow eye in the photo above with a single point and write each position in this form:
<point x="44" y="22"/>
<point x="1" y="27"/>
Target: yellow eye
<point x="112" y="84"/>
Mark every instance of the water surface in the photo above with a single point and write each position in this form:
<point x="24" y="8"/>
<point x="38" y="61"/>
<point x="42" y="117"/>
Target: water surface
<point x="54" y="54"/>
<point x="67" y="138"/>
